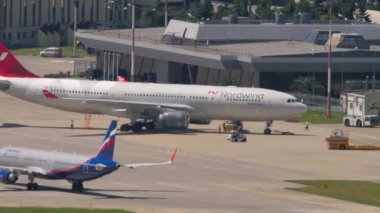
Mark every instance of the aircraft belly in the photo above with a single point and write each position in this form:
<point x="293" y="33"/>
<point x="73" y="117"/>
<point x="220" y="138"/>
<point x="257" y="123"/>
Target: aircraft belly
<point x="231" y="112"/>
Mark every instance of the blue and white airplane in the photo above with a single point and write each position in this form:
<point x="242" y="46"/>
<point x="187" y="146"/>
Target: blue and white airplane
<point x="15" y="161"/>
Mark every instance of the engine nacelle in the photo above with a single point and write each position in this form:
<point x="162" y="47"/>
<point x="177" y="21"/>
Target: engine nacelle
<point x="8" y="177"/>
<point x="174" y="119"/>
<point x="200" y="121"/>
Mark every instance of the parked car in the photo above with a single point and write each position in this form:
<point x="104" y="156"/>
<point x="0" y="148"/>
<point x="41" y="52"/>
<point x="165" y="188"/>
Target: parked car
<point x="51" y="52"/>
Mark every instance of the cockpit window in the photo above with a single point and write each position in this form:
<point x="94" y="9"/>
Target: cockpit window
<point x="292" y="100"/>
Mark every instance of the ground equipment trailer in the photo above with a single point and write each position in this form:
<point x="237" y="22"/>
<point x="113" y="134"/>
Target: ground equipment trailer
<point x="340" y="140"/>
<point x="361" y="109"/>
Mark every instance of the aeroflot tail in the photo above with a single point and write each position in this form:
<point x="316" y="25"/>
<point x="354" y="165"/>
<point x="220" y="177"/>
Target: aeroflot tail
<point x="108" y="146"/>
<point x="10" y="67"/>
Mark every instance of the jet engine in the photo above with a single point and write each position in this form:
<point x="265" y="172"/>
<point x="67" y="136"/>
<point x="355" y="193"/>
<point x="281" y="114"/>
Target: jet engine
<point x="7" y="177"/>
<point x="174" y="119"/>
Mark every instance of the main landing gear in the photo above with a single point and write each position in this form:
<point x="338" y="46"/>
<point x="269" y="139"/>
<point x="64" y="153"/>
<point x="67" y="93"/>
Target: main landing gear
<point x="137" y="126"/>
<point x="77" y="187"/>
<point x="31" y="186"/>
<point x="267" y="130"/>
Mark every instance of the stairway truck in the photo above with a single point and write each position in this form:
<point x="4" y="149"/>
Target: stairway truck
<point x="361" y="109"/>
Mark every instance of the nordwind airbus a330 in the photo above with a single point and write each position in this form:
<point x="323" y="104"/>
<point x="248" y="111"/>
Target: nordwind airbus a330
<point x="15" y="161"/>
<point x="147" y="104"/>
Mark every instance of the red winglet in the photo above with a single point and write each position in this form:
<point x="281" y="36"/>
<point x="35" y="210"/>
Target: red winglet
<point x="174" y="155"/>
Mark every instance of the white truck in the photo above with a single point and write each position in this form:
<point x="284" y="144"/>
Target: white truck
<point x="361" y="109"/>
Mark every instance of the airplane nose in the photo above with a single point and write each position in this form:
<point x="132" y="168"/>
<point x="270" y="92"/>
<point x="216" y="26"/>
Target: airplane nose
<point x="302" y="108"/>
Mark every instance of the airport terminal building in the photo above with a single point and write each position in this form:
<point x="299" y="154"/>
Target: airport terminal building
<point x="239" y="54"/>
<point x="50" y="22"/>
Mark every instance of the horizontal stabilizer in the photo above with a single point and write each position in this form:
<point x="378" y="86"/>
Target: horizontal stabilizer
<point x="136" y="165"/>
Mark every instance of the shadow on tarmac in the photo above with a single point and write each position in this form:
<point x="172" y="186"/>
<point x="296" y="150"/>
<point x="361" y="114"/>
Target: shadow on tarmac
<point x="153" y="132"/>
<point x="98" y="193"/>
<point x="15" y="125"/>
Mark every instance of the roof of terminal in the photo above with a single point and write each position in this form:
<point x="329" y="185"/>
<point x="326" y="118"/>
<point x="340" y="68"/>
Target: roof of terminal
<point x="252" y="49"/>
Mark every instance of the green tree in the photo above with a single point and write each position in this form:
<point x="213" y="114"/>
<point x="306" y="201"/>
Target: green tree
<point x="202" y="9"/>
<point x="345" y="8"/>
<point x="318" y="10"/>
<point x="290" y="10"/>
<point x="263" y="9"/>
<point x="303" y="7"/>
<point x="207" y="9"/>
<point x="223" y="11"/>
<point x="154" y="16"/>
<point x="240" y="8"/>
<point x="306" y="85"/>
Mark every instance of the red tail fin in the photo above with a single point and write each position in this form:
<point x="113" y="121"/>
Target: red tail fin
<point x="10" y="67"/>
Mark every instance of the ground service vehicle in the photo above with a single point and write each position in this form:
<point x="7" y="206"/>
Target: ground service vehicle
<point x="361" y="109"/>
<point x="340" y="140"/>
<point x="231" y="125"/>
<point x="237" y="136"/>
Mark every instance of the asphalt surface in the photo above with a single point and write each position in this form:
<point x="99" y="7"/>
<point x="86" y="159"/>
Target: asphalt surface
<point x="209" y="174"/>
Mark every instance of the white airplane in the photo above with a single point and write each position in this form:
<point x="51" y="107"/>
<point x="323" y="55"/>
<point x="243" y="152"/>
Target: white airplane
<point x="148" y="104"/>
<point x="15" y="161"/>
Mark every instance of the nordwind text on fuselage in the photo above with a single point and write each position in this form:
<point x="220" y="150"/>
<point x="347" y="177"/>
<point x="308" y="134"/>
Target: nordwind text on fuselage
<point x="241" y="95"/>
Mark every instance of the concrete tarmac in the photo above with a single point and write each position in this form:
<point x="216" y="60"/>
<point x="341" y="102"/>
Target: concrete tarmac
<point x="209" y="175"/>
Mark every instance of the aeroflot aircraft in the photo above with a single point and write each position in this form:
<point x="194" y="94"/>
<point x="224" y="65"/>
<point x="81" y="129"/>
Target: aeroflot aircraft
<point x="15" y="161"/>
<point x="147" y="104"/>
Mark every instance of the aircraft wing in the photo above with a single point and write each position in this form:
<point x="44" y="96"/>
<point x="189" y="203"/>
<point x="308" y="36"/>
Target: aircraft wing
<point x="119" y="105"/>
<point x="136" y="165"/>
<point x="25" y="171"/>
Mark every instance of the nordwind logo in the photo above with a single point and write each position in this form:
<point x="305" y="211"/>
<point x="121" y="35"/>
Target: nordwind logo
<point x="213" y="92"/>
<point x="3" y="56"/>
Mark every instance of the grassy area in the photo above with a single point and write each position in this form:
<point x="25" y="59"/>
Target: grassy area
<point x="354" y="191"/>
<point x="57" y="210"/>
<point x="35" y="51"/>
<point x="318" y="117"/>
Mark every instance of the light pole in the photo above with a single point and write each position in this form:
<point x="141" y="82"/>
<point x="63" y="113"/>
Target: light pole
<point x="328" y="101"/>
<point x="75" y="27"/>
<point x="133" y="42"/>
<point x="166" y="13"/>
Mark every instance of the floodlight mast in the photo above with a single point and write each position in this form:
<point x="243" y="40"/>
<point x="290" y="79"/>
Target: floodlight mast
<point x="328" y="101"/>
<point x="133" y="42"/>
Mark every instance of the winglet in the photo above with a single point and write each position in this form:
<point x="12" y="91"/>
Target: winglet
<point x="174" y="155"/>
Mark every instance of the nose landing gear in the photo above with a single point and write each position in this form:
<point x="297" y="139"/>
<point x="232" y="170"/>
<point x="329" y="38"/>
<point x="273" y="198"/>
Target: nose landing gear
<point x="267" y="130"/>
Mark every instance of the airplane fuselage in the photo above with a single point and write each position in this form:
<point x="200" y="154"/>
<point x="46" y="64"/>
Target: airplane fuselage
<point x="57" y="165"/>
<point x="206" y="102"/>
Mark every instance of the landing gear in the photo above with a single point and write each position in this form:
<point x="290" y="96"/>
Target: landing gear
<point x="138" y="126"/>
<point x="77" y="186"/>
<point x="267" y="130"/>
<point x="125" y="127"/>
<point x="31" y="186"/>
<point x="150" y="125"/>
